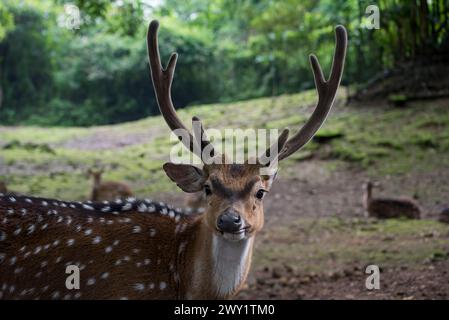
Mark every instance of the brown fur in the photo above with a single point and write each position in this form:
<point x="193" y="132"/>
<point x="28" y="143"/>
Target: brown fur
<point x="3" y="187"/>
<point x="387" y="208"/>
<point x="32" y="264"/>
<point x="30" y="279"/>
<point x="444" y="216"/>
<point x="108" y="190"/>
<point x="196" y="201"/>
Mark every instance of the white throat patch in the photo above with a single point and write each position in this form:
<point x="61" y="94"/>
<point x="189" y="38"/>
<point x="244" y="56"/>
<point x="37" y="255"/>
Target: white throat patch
<point x="230" y="260"/>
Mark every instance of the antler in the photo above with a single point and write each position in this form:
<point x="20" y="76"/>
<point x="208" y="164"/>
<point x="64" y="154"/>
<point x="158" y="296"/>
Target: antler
<point x="162" y="80"/>
<point x="326" y="95"/>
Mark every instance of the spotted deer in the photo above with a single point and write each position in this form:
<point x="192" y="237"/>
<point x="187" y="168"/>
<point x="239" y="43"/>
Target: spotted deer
<point x="143" y="249"/>
<point x="107" y="190"/>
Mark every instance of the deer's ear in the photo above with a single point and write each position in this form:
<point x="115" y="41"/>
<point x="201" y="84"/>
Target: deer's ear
<point x="188" y="178"/>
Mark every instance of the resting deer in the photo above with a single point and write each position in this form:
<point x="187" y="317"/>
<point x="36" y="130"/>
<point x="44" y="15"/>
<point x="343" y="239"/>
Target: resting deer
<point x="108" y="190"/>
<point x="385" y="208"/>
<point x="144" y="249"/>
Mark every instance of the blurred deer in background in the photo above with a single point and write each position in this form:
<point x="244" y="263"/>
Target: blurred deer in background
<point x="3" y="188"/>
<point x="444" y="215"/>
<point x="108" y="190"/>
<point x="144" y="249"/>
<point x="385" y="208"/>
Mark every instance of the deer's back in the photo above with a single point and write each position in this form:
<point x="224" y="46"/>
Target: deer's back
<point x="384" y="208"/>
<point x="111" y="243"/>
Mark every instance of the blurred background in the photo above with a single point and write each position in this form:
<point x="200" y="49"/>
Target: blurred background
<point x="76" y="101"/>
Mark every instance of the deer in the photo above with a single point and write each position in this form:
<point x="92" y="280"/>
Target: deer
<point x="145" y="249"/>
<point x="108" y="190"/>
<point x="387" y="208"/>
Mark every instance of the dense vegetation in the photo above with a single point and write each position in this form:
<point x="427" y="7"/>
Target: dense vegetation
<point x="229" y="50"/>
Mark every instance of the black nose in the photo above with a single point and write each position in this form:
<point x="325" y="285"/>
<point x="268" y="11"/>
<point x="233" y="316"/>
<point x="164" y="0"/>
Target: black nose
<point x="229" y="221"/>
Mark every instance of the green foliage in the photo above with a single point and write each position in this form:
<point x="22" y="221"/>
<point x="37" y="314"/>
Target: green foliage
<point x="25" y="64"/>
<point x="6" y="21"/>
<point x="229" y="50"/>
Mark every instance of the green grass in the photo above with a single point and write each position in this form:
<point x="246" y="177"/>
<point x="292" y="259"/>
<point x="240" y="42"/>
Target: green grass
<point x="380" y="140"/>
<point x="340" y="243"/>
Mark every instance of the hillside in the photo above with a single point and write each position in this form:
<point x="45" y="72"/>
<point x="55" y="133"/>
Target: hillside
<point x="52" y="161"/>
<point x="316" y="200"/>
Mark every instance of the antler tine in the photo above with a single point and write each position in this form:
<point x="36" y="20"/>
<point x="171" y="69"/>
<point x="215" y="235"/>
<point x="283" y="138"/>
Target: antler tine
<point x="201" y="137"/>
<point x="162" y="80"/>
<point x="326" y="94"/>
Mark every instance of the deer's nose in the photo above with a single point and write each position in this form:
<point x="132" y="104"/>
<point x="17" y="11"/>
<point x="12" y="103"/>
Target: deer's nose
<point x="229" y="221"/>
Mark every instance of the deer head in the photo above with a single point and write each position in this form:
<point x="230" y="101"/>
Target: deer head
<point x="95" y="174"/>
<point x="234" y="192"/>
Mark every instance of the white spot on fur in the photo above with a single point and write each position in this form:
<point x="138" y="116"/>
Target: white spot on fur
<point x="12" y="261"/>
<point x="139" y="286"/>
<point x="31" y="228"/>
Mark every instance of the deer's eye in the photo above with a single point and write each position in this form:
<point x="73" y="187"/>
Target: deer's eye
<point x="207" y="190"/>
<point x="260" y="193"/>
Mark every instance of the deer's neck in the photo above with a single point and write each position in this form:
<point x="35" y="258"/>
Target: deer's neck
<point x="220" y="267"/>
<point x="95" y="189"/>
<point x="367" y="196"/>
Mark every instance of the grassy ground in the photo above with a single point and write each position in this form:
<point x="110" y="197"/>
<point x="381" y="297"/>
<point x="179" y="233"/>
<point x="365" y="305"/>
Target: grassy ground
<point x="51" y="161"/>
<point x="315" y="228"/>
